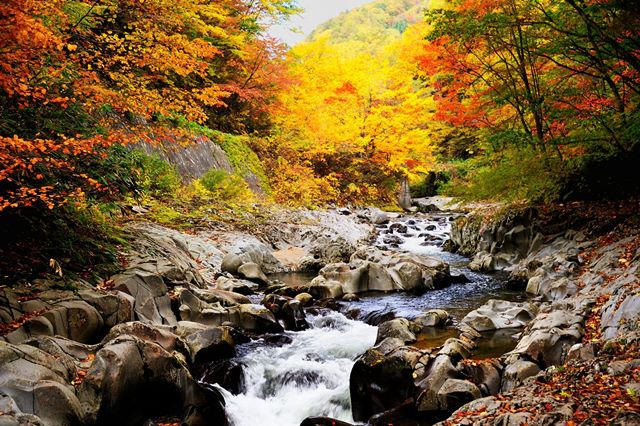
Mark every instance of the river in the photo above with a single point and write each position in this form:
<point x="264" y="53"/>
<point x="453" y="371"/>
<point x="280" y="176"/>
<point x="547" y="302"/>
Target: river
<point x="283" y="384"/>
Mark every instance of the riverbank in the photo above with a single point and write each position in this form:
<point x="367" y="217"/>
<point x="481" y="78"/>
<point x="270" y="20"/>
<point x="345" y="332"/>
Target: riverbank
<point x="207" y="316"/>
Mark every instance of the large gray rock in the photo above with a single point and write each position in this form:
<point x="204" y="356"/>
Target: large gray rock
<point x="257" y="319"/>
<point x="231" y="262"/>
<point x="433" y="318"/>
<point x="454" y="393"/>
<point x="547" y="340"/>
<point x="164" y="336"/>
<point x="371" y="270"/>
<point x="288" y="310"/>
<point x="248" y="317"/>
<point x="196" y="310"/>
<point x="353" y="278"/>
<point x="325" y="251"/>
<point x="38" y="383"/>
<point x="211" y="344"/>
<point x="503" y="241"/>
<point x="74" y="319"/>
<point x="439" y="371"/>
<point x="131" y="380"/>
<point x="375" y="216"/>
<point x="114" y="307"/>
<point x="516" y="372"/>
<point x="236" y="286"/>
<point x="500" y="314"/>
<point x="250" y="250"/>
<point x="252" y="272"/>
<point x="399" y="328"/>
<point x="150" y="293"/>
<point x="382" y="378"/>
<point x="225" y="298"/>
<point x="485" y="374"/>
<point x="177" y="258"/>
<point x="620" y="314"/>
<point x="321" y="288"/>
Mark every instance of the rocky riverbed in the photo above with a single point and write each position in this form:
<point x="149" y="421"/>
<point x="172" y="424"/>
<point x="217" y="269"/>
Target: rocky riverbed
<point x="326" y="317"/>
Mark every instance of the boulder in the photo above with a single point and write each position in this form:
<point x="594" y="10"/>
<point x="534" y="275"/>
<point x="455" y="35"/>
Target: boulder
<point x="322" y="288"/>
<point x="457" y="349"/>
<point x="483" y="262"/>
<point x="516" y="372"/>
<point x="438" y="372"/>
<point x="132" y="380"/>
<point x="382" y="378"/>
<point x="211" y="344"/>
<point x="162" y="336"/>
<point x="433" y="318"/>
<point x="454" y="393"/>
<point x="548" y="339"/>
<point x="227" y="373"/>
<point x="290" y="311"/>
<point x="151" y="301"/>
<point x="305" y="299"/>
<point x="38" y="383"/>
<point x="352" y="277"/>
<point x="500" y="314"/>
<point x="73" y="319"/>
<point x="12" y="416"/>
<point x="350" y="297"/>
<point x="378" y="217"/>
<point x="234" y="285"/>
<point x="253" y="251"/>
<point x="485" y="374"/>
<point x="196" y="310"/>
<point x="114" y="307"/>
<point x="225" y="298"/>
<point x="399" y="328"/>
<point x="231" y="262"/>
<point x="257" y="319"/>
<point x="324" y="251"/>
<point x="371" y="270"/>
<point x="180" y="259"/>
<point x="252" y="272"/>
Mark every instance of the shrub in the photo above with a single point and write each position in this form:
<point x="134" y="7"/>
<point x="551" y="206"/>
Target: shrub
<point x="510" y="175"/>
<point x="81" y="239"/>
<point x="225" y="186"/>
<point x="127" y="171"/>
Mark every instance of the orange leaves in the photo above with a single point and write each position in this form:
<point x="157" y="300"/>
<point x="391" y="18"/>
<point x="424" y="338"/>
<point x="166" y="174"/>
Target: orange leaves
<point x="82" y="370"/>
<point x="6" y="328"/>
<point x="26" y="46"/>
<point x="26" y="168"/>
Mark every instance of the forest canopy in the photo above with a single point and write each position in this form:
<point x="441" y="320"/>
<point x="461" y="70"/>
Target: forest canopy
<point x="504" y="99"/>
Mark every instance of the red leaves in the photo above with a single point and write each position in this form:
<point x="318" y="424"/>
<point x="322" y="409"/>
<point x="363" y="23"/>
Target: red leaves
<point x="82" y="370"/>
<point x="593" y="333"/>
<point x="6" y="328"/>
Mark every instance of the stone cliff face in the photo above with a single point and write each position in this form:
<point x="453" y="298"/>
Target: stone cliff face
<point x="500" y="243"/>
<point x="193" y="158"/>
<point x="191" y="161"/>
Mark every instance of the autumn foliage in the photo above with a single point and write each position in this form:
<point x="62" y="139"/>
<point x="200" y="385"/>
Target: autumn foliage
<point x="355" y="120"/>
<point x="72" y="71"/>
<point x="555" y="80"/>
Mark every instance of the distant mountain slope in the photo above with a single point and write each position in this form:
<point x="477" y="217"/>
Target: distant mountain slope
<point x="377" y="23"/>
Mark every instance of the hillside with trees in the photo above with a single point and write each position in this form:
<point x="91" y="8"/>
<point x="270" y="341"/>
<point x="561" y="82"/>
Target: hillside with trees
<point x="425" y="213"/>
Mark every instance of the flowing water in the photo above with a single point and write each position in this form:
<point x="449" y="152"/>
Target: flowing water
<point x="309" y="376"/>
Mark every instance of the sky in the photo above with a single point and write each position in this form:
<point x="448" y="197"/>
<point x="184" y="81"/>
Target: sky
<point x="316" y="12"/>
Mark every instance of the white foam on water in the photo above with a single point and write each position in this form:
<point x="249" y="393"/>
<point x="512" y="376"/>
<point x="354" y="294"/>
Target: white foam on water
<point x="309" y="377"/>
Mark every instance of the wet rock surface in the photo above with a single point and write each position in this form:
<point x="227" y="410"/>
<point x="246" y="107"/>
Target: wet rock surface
<point x="201" y="307"/>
